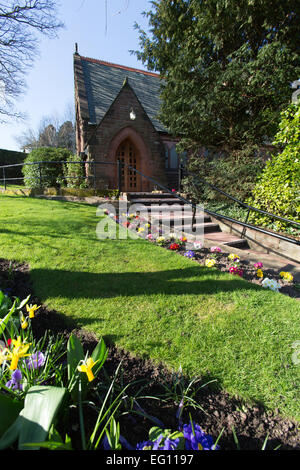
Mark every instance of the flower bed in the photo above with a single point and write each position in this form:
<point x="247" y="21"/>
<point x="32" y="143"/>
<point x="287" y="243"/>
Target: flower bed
<point x="175" y="398"/>
<point x="214" y="257"/>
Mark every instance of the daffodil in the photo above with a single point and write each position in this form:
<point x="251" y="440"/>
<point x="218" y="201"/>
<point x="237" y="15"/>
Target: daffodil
<point x="20" y="350"/>
<point x="87" y="368"/>
<point x="24" y="322"/>
<point x="31" y="309"/>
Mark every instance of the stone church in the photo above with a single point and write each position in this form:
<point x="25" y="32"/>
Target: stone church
<point x="116" y="119"/>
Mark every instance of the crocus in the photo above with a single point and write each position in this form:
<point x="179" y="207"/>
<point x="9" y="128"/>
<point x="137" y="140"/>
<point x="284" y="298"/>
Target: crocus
<point x="87" y="368"/>
<point x="197" y="439"/>
<point x="31" y="309"/>
<point x="15" y="382"/>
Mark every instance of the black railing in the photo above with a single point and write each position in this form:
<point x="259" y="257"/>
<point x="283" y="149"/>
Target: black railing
<point x="90" y="176"/>
<point x="245" y="224"/>
<point x="94" y="176"/>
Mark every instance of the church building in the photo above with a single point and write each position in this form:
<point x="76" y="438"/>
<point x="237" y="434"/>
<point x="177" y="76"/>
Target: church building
<point x="116" y="119"/>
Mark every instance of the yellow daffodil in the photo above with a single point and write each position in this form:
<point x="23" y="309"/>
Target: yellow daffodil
<point x="259" y="273"/>
<point x="31" y="309"/>
<point x="24" y="322"/>
<point x="20" y="350"/>
<point x="87" y="368"/>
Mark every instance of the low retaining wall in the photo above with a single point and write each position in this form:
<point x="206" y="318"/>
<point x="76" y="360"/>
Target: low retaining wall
<point x="262" y="242"/>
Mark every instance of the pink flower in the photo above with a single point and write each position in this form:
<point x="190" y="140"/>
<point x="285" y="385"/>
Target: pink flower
<point x="216" y="249"/>
<point x="235" y="270"/>
<point x="258" y="265"/>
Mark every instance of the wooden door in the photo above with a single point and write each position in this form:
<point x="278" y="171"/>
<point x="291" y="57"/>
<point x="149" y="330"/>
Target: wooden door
<point x="128" y="155"/>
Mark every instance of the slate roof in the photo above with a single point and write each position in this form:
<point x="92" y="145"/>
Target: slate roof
<point x="103" y="81"/>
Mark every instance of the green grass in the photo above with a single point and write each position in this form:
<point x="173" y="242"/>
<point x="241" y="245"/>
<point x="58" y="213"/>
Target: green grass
<point x="156" y="303"/>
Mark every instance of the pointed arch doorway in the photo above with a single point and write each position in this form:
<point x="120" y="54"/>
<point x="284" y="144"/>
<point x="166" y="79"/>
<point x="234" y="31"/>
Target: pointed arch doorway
<point x="128" y="154"/>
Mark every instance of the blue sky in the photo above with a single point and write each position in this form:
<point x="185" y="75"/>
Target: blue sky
<point x="50" y="83"/>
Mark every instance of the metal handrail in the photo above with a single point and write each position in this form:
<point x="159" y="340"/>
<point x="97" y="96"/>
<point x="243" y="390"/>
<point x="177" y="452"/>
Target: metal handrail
<point x="215" y="214"/>
<point x="186" y="201"/>
<point x="247" y="206"/>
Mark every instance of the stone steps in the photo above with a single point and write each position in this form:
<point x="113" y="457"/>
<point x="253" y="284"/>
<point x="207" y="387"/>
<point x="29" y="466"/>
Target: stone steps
<point x="181" y="223"/>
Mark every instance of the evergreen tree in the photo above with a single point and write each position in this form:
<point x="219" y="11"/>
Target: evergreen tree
<point x="227" y="67"/>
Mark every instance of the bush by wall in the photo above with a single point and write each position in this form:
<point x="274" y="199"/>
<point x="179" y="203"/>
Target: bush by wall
<point x="50" y="172"/>
<point x="234" y="173"/>
<point x="74" y="173"/>
<point x="277" y="189"/>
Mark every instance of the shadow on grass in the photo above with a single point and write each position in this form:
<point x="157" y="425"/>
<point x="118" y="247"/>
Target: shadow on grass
<point x="189" y="280"/>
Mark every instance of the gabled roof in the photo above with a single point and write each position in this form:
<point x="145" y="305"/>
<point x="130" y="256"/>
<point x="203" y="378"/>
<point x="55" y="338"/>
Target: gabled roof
<point x="103" y="81"/>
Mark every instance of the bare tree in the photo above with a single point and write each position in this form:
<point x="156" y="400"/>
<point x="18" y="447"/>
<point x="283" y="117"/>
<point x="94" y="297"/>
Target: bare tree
<point x="21" y="22"/>
<point x="52" y="132"/>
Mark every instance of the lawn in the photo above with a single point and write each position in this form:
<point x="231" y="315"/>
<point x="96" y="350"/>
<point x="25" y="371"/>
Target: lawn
<point x="155" y="303"/>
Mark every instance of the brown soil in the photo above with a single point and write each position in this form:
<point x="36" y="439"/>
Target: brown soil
<point x="219" y="411"/>
<point x="292" y="289"/>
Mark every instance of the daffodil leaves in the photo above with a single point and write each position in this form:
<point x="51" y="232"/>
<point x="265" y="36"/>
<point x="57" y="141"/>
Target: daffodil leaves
<point x="33" y="423"/>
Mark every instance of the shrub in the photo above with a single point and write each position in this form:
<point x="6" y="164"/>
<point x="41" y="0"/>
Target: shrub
<point x="45" y="175"/>
<point x="234" y="173"/>
<point x="74" y="173"/>
<point x="277" y="189"/>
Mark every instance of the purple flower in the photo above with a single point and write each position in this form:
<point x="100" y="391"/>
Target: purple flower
<point x="189" y="254"/>
<point x="15" y="382"/>
<point x="35" y="360"/>
<point x="145" y="445"/>
<point x="196" y="439"/>
<point x="169" y="444"/>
